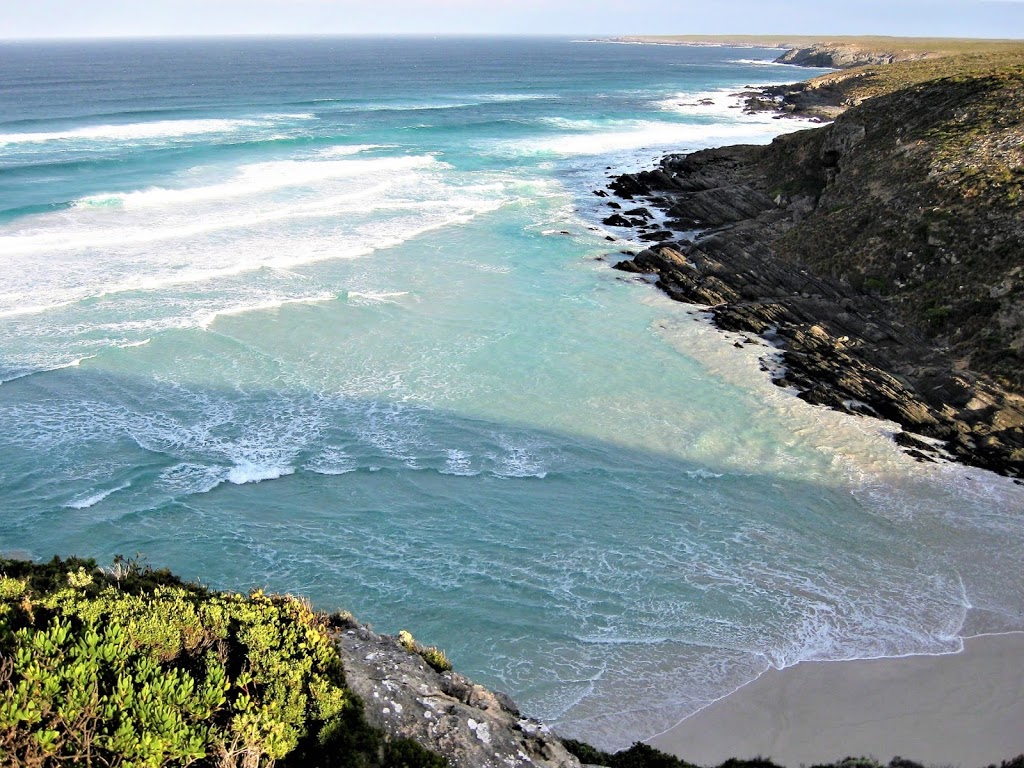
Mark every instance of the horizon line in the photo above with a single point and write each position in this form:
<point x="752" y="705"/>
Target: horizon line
<point x="575" y="37"/>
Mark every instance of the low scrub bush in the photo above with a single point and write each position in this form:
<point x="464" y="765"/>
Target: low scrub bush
<point x="132" y="667"/>
<point x="434" y="656"/>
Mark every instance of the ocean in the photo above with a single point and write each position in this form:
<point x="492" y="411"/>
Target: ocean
<point x="336" y="317"/>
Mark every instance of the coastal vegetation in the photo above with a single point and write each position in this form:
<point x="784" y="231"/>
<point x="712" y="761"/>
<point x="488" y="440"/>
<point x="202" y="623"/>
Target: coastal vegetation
<point x="434" y="656"/>
<point x="130" y="666"/>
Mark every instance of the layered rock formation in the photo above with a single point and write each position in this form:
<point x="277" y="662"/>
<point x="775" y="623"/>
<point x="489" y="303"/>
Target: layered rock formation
<point x="884" y="253"/>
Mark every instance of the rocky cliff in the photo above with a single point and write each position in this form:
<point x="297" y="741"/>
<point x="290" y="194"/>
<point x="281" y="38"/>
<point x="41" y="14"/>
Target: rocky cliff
<point x="465" y="723"/>
<point x="844" y="55"/>
<point x="885" y="252"/>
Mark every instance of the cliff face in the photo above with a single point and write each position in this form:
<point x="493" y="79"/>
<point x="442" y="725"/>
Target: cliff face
<point x="885" y="252"/>
<point x="918" y="199"/>
<point x="847" y="55"/>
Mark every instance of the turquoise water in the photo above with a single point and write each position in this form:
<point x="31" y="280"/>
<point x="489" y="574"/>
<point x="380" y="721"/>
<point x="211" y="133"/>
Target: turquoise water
<point x="336" y="316"/>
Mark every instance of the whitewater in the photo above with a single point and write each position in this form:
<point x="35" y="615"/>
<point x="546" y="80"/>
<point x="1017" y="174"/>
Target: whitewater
<point x="336" y="316"/>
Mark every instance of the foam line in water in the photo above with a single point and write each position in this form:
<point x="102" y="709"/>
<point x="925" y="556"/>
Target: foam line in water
<point x="188" y="264"/>
<point x="439" y="104"/>
<point x="74" y="363"/>
<point x="345" y="150"/>
<point x="91" y="501"/>
<point x="375" y="297"/>
<point x="33" y="309"/>
<point x="276" y="303"/>
<point x="332" y="461"/>
<point x="400" y="173"/>
<point x="768" y="63"/>
<point x="727" y="105"/>
<point x="188" y="478"/>
<point x="727" y="124"/>
<point x="103" y="237"/>
<point x="160" y="129"/>
<point x="260" y="178"/>
<point x="642" y="134"/>
<point x="514" y="97"/>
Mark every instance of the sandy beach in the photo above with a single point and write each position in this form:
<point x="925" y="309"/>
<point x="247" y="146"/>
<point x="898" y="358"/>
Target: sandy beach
<point x="964" y="710"/>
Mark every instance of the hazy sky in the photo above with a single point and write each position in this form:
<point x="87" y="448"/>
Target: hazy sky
<point x="92" y="18"/>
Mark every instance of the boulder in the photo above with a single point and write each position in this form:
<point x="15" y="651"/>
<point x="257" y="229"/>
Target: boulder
<point x="447" y="713"/>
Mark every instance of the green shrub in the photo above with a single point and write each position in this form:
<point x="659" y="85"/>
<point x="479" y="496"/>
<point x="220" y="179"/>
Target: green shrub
<point x="132" y="667"/>
<point x="434" y="656"/>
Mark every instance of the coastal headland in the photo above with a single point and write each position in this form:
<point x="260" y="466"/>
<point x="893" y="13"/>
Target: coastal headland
<point x="883" y="253"/>
<point x="127" y="663"/>
<point x="842" y="51"/>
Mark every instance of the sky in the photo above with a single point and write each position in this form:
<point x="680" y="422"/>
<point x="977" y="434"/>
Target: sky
<point x="129" y="18"/>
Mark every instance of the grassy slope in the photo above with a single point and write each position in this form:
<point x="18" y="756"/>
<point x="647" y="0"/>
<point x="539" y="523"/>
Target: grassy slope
<point x="929" y="208"/>
<point x="853" y="86"/>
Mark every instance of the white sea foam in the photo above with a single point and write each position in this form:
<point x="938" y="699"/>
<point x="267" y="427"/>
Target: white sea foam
<point x="260" y="178"/>
<point x="86" y="252"/>
<point x="344" y="150"/>
<point x="455" y="102"/>
<point x="375" y="297"/>
<point x="726" y="105"/>
<point x="249" y="472"/>
<point x="459" y="463"/>
<point x="619" y="640"/>
<point x="91" y="501"/>
<point x="188" y="478"/>
<point x="594" y="137"/>
<point x="130" y="344"/>
<point x="289" y="116"/>
<point x="704" y="474"/>
<point x="765" y="63"/>
<point x="332" y="460"/>
<point x="518" y="460"/>
<point x="35" y="309"/>
<point x="264" y="306"/>
<point x="513" y="97"/>
<point x="161" y="129"/>
<point x="73" y="363"/>
<point x="101" y="236"/>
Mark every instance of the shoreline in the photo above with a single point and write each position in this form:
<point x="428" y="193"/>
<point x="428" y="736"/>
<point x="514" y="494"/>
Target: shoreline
<point x="951" y="709"/>
<point x="722" y="215"/>
<point x="957" y="709"/>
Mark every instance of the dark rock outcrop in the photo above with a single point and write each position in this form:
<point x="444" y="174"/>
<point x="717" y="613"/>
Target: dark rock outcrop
<point x="884" y="253"/>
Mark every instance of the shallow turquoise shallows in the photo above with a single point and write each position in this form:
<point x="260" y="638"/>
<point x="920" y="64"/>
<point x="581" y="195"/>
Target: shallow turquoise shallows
<point x="336" y="316"/>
